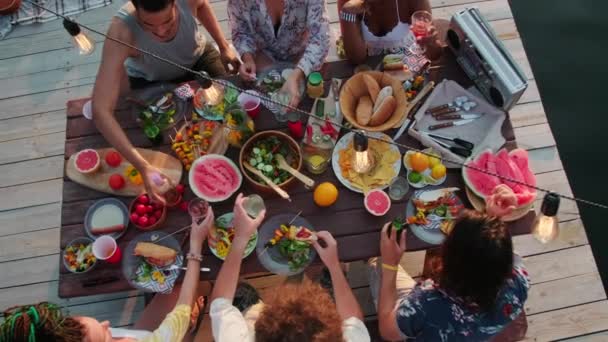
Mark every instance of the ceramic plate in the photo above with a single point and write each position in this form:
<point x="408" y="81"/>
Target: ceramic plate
<point x="108" y="221"/>
<point x="226" y="221"/>
<point x="430" y="233"/>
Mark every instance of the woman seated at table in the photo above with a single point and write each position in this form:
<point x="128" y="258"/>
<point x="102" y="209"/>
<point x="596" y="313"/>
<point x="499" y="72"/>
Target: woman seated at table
<point x="480" y="287"/>
<point x="46" y="322"/>
<point x="268" y="31"/>
<point x="380" y="27"/>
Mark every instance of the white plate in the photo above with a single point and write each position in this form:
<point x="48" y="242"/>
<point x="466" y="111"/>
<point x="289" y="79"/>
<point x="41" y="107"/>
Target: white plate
<point x="343" y="143"/>
<point x="253" y="241"/>
<point x="427" y="173"/>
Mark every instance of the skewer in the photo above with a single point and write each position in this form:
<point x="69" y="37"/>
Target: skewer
<point x="175" y="232"/>
<point x="289" y="224"/>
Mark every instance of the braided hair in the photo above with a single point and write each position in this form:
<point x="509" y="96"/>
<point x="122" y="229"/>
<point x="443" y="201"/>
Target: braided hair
<point x="39" y="322"/>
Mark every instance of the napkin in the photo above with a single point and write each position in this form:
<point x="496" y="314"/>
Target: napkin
<point x="153" y="285"/>
<point x="484" y="133"/>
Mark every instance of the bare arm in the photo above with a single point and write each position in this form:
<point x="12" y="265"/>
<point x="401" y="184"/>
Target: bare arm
<point x="419" y="5"/>
<point x="387" y="316"/>
<point x="207" y="17"/>
<point x="354" y="45"/>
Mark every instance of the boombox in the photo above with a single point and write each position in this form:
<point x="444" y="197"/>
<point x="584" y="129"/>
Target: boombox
<point x="485" y="59"/>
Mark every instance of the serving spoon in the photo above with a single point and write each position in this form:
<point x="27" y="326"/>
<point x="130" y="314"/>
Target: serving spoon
<point x="267" y="180"/>
<point x="283" y="165"/>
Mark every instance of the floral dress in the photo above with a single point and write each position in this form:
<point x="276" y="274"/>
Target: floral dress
<point x="302" y="37"/>
<point x="429" y="314"/>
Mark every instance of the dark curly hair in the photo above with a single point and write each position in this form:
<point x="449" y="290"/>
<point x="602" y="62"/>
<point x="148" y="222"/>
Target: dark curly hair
<point x="476" y="259"/>
<point x="299" y="312"/>
<point x="39" y="322"/>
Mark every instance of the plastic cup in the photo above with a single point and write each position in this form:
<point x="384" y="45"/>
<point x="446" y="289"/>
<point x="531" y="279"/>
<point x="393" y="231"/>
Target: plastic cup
<point x="251" y="103"/>
<point x="398" y="188"/>
<point x="105" y="248"/>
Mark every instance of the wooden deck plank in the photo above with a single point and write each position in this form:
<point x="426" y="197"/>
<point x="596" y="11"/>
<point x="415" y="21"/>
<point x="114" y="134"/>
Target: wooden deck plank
<point x="41" y="102"/>
<point x="545" y="159"/>
<point x="30" y="244"/>
<point x="32" y="125"/>
<point x="536" y="136"/>
<point x="571" y="234"/>
<point x="42" y="146"/>
<point x="29" y="219"/>
<point x="31" y="194"/>
<point x="30" y="171"/>
<point x="29" y="271"/>
<point x="560" y="264"/>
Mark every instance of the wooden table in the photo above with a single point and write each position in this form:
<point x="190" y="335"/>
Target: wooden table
<point x="356" y="230"/>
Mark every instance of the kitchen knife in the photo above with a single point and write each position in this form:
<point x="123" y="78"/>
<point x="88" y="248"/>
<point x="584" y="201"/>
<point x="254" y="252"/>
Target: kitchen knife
<point x="450" y="124"/>
<point x="457" y="116"/>
<point x="335" y="86"/>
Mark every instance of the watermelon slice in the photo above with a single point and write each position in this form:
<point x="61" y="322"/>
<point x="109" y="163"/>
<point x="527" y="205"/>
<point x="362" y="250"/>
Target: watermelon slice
<point x="520" y="158"/>
<point x="87" y="161"/>
<point x="214" y="178"/>
<point x="507" y="168"/>
<point x="482" y="183"/>
<point x="377" y="202"/>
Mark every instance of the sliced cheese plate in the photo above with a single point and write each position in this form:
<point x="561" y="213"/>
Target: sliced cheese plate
<point x="99" y="180"/>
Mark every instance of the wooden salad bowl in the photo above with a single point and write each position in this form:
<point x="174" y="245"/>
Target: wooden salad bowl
<point x="245" y="153"/>
<point x="355" y="87"/>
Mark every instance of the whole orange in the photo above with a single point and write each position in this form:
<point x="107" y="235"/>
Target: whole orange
<point x="419" y="162"/>
<point x="325" y="194"/>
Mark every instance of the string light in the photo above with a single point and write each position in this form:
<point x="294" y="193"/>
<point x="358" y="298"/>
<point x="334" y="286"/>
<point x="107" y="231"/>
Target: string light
<point x="363" y="161"/>
<point x="205" y="80"/>
<point x="546" y="225"/>
<point x="84" y="43"/>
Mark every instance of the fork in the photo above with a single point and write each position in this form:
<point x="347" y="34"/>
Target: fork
<point x="175" y="267"/>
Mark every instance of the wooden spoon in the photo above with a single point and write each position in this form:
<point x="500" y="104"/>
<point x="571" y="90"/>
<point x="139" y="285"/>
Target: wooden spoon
<point x="267" y="180"/>
<point x="299" y="175"/>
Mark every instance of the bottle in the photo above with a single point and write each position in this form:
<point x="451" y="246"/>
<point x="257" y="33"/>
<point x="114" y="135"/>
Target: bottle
<point x="315" y="87"/>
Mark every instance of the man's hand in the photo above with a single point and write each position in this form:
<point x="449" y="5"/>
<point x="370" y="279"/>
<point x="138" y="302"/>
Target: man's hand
<point x="151" y="177"/>
<point x="245" y="226"/>
<point x="199" y="232"/>
<point x="355" y="6"/>
<point x="248" y="68"/>
<point x="390" y="250"/>
<point x="230" y="60"/>
<point x="292" y="87"/>
<point x="329" y="253"/>
<point x="501" y="202"/>
<point x="431" y="40"/>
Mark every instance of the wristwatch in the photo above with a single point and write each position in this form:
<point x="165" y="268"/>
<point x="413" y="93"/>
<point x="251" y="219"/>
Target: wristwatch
<point x="348" y="17"/>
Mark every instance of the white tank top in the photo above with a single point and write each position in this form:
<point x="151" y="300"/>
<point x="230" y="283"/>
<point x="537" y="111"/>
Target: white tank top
<point x="398" y="40"/>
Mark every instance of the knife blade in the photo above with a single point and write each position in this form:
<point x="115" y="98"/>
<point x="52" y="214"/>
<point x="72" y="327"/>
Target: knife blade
<point x="450" y="124"/>
<point x="335" y="86"/>
<point x="457" y="116"/>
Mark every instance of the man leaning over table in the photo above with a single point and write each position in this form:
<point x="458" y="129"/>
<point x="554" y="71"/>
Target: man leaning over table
<point x="293" y="312"/>
<point x="169" y="29"/>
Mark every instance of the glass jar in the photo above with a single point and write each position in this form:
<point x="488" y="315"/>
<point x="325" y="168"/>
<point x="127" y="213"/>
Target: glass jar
<point x="241" y="127"/>
<point x="317" y="156"/>
<point x="315" y="85"/>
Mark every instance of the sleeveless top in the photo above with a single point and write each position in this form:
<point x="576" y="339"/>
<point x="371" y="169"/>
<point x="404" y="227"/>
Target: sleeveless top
<point x="398" y="40"/>
<point x="185" y="48"/>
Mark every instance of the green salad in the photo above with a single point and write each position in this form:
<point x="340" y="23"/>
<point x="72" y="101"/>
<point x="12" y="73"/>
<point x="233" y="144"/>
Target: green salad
<point x="262" y="157"/>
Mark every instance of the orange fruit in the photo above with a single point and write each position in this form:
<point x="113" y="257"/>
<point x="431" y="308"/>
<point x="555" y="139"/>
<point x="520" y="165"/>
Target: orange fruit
<point x="419" y="162"/>
<point x="325" y="194"/>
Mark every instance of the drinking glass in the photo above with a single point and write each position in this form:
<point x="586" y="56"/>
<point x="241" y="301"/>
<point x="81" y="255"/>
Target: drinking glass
<point x="254" y="204"/>
<point x="421" y="24"/>
<point x="280" y="112"/>
<point x="197" y="208"/>
<point x="106" y="248"/>
<point x="398" y="188"/>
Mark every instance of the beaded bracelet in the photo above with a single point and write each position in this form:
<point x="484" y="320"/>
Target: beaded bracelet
<point x="348" y="17"/>
<point x="192" y="256"/>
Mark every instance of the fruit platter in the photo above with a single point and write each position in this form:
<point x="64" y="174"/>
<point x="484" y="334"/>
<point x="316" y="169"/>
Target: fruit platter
<point x="147" y="264"/>
<point x="214" y="178"/>
<point x="285" y="248"/>
<point x="221" y="236"/>
<point x="387" y="163"/>
<point x="107" y="171"/>
<point x="513" y="165"/>
<point x="261" y="152"/>
<point x="78" y="256"/>
<point x="431" y="213"/>
<point x="424" y="168"/>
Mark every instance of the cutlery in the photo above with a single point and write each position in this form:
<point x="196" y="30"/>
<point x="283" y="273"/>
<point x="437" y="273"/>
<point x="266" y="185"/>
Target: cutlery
<point x="451" y="124"/>
<point x="175" y="267"/>
<point x="463" y="152"/>
<point x="266" y="180"/>
<point x="418" y="102"/>
<point x="335" y="86"/>
<point x="457" y="116"/>
<point x="466" y="144"/>
<point x="299" y="175"/>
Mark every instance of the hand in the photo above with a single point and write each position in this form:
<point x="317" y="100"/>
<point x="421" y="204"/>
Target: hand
<point x="390" y="250"/>
<point x="292" y="87"/>
<point x="199" y="231"/>
<point x="431" y="39"/>
<point x="248" y="69"/>
<point x="245" y="226"/>
<point x="230" y="60"/>
<point x="355" y="6"/>
<point x="501" y="202"/>
<point x="150" y="176"/>
<point x="329" y="253"/>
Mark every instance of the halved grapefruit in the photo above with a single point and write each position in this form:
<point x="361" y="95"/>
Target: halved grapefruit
<point x="377" y="202"/>
<point x="87" y="161"/>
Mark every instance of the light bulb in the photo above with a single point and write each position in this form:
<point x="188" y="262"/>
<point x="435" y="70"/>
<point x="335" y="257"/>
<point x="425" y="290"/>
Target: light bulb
<point x="203" y="79"/>
<point x="85" y="45"/>
<point x="363" y="160"/>
<point x="546" y="225"/>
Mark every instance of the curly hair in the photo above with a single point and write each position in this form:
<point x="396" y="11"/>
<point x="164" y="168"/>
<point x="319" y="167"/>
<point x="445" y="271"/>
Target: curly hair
<point x="39" y="322"/>
<point x="299" y="312"/>
<point x="476" y="259"/>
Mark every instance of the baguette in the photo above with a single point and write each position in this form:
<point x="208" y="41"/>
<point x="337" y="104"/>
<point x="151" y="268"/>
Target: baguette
<point x="384" y="93"/>
<point x="107" y="230"/>
<point x="364" y="110"/>
<point x="384" y="112"/>
<point x="373" y="88"/>
<point x="158" y="253"/>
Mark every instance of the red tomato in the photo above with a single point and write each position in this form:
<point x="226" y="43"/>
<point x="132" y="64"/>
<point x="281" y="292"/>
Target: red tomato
<point x="113" y="159"/>
<point x="116" y="181"/>
<point x="134" y="217"/>
<point x="151" y="220"/>
<point x="143" y="221"/>
<point x="149" y="209"/>
<point x="143" y="199"/>
<point x="180" y="188"/>
<point x="158" y="213"/>
<point x="140" y="209"/>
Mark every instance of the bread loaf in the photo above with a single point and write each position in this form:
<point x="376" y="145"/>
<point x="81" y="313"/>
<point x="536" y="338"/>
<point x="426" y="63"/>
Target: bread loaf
<point x="154" y="251"/>
<point x="364" y="110"/>
<point x="384" y="112"/>
<point x="372" y="87"/>
<point x="384" y="93"/>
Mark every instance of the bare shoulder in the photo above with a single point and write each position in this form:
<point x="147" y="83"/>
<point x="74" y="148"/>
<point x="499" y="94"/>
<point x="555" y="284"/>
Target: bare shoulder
<point x="194" y="5"/>
<point x="119" y="30"/>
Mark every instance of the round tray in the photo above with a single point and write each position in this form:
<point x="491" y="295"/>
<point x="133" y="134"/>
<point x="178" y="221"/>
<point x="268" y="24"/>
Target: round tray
<point x="229" y="217"/>
<point x="270" y="257"/>
<point x="89" y="216"/>
<point x="342" y="144"/>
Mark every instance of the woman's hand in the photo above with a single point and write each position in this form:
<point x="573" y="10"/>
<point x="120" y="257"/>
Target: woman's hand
<point x="199" y="231"/>
<point x="245" y="226"/>
<point x="390" y="250"/>
<point x="329" y="253"/>
<point x="153" y="182"/>
<point x="292" y="87"/>
<point x="248" y="68"/>
<point x="501" y="202"/>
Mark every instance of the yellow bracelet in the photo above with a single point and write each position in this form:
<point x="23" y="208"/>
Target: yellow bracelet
<point x="390" y="267"/>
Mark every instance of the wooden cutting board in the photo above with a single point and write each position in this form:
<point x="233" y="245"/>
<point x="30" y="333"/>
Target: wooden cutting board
<point x="168" y="165"/>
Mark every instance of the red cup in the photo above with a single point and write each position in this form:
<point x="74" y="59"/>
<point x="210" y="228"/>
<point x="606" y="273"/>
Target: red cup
<point x="251" y="103"/>
<point x="105" y="248"/>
